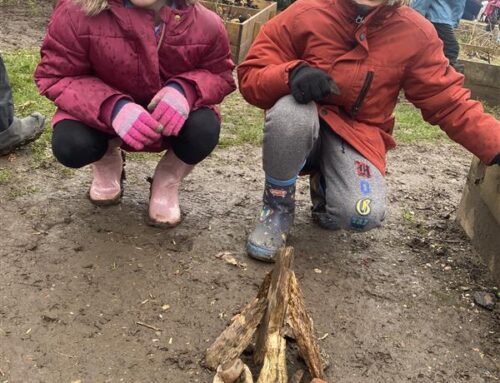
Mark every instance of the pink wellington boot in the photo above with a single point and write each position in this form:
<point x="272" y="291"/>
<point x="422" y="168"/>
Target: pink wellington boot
<point x="164" y="208"/>
<point x="106" y="188"/>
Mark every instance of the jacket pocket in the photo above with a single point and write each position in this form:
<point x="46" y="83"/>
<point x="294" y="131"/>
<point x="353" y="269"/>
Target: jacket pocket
<point x="362" y="94"/>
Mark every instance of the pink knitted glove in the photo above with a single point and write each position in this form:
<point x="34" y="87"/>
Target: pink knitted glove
<point x="171" y="109"/>
<point x="136" y="126"/>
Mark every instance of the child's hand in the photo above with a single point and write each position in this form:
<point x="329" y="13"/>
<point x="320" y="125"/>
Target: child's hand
<point x="171" y="109"/>
<point x="136" y="126"/>
<point x="311" y="84"/>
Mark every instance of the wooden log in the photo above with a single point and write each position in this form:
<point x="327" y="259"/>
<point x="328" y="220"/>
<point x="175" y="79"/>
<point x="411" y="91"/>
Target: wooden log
<point x="303" y="330"/>
<point x="297" y="377"/>
<point x="271" y="345"/>
<point x="235" y="338"/>
<point x="274" y="367"/>
<point x="233" y="372"/>
<point x="230" y="372"/>
<point x="247" y="376"/>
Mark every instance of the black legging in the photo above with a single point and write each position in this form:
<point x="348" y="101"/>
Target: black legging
<point x="451" y="47"/>
<point x="75" y="144"/>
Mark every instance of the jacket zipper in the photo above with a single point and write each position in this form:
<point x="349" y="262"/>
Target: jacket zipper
<point x="364" y="90"/>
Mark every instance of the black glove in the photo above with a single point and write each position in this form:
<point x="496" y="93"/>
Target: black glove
<point x="311" y="84"/>
<point x="496" y="160"/>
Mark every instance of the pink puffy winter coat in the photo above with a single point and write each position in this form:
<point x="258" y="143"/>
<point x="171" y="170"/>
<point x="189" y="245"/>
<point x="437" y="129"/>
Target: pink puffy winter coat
<point x="90" y="62"/>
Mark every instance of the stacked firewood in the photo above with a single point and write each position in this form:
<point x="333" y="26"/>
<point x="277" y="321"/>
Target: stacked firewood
<point x="277" y="309"/>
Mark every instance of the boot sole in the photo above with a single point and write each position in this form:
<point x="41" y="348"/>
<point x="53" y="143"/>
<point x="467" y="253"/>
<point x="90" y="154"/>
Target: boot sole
<point x="261" y="253"/>
<point x="106" y="202"/>
<point x="161" y="225"/>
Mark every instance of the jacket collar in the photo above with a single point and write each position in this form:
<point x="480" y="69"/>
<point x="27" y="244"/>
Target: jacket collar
<point x="349" y="9"/>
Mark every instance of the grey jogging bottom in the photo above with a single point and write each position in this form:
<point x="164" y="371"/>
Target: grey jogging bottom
<point x="353" y="189"/>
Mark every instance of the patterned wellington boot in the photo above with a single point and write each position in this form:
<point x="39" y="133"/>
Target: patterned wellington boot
<point x="109" y="173"/>
<point x="275" y="222"/>
<point x="164" y="210"/>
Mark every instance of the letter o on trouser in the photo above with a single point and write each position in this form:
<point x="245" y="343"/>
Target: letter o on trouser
<point x="290" y="131"/>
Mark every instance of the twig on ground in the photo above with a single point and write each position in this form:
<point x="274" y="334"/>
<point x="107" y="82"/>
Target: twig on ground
<point x="148" y="326"/>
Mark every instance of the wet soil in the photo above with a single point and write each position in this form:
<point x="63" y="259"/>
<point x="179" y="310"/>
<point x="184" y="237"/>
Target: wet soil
<point x="391" y="305"/>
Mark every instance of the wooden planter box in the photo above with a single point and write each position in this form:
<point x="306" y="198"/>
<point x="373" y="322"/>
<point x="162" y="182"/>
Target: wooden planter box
<point x="483" y="80"/>
<point x="241" y="35"/>
<point x="479" y="213"/>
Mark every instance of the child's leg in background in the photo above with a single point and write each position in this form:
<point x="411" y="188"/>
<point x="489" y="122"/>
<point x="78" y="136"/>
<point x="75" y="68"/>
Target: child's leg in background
<point x="6" y="105"/>
<point x="15" y="131"/>
<point x="353" y="189"/>
<point x="451" y="47"/>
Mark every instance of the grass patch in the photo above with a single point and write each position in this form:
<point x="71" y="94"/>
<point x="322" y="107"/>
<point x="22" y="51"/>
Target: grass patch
<point x="410" y="126"/>
<point x="408" y="215"/>
<point x="241" y="122"/>
<point x="5" y="176"/>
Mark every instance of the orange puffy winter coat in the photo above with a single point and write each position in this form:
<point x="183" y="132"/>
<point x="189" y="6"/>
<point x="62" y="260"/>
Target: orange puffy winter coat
<point x="371" y="60"/>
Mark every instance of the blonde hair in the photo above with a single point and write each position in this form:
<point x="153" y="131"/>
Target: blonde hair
<point x="94" y="7"/>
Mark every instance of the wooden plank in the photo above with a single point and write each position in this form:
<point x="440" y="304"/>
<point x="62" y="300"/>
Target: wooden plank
<point x="274" y="367"/>
<point x="303" y="330"/>
<point x="483" y="80"/>
<point x="242" y="35"/>
<point x="236" y="338"/>
<point x="270" y="347"/>
<point x="478" y="213"/>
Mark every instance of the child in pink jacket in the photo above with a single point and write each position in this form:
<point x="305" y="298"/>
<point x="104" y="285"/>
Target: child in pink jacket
<point x="141" y="75"/>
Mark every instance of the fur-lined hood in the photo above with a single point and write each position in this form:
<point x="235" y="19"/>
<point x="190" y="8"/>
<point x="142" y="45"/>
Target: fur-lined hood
<point x="94" y="7"/>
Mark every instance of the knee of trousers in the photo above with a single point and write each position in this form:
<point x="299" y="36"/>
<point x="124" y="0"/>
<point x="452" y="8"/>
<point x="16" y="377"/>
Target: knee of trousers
<point x="357" y="215"/>
<point x="76" y="153"/>
<point x="199" y="136"/>
<point x="288" y="120"/>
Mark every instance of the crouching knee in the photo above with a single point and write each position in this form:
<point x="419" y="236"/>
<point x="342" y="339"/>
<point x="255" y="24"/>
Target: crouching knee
<point x="361" y="215"/>
<point x="288" y="119"/>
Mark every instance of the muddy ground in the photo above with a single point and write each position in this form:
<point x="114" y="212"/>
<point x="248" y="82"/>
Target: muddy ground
<point x="392" y="305"/>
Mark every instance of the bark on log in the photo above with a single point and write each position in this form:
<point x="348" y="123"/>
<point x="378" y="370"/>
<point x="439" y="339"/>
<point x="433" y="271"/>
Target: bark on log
<point x="271" y="345"/>
<point x="235" y="338"/>
<point x="303" y="330"/>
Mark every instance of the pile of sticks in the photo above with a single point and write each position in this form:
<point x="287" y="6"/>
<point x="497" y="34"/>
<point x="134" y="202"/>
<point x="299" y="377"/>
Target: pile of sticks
<point x="277" y="309"/>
